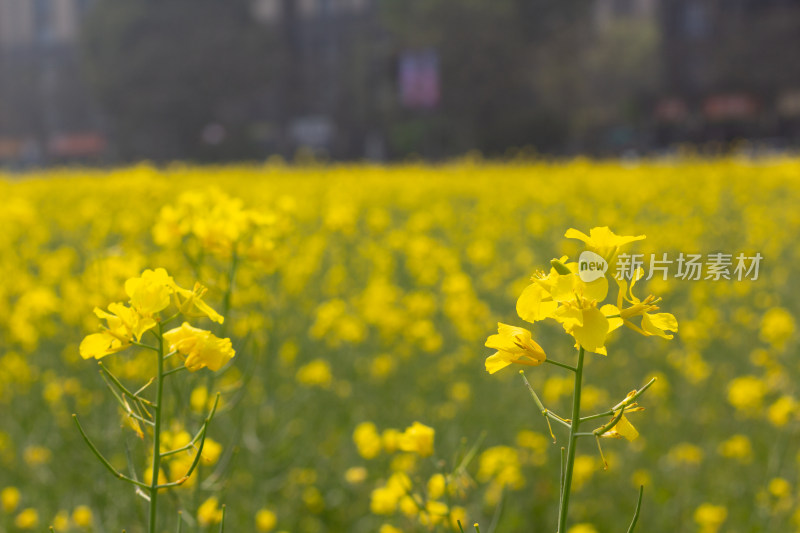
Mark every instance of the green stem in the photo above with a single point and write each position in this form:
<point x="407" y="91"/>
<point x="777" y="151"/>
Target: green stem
<point x="598" y="415"/>
<point x="638" y="508"/>
<point x="174" y="371"/>
<point x="562" y="365"/>
<point x="122" y="387"/>
<point x="103" y="459"/>
<point x="143" y="345"/>
<point x="157" y="434"/>
<point x="573" y="441"/>
<point x="551" y="415"/>
<point x="629" y="400"/>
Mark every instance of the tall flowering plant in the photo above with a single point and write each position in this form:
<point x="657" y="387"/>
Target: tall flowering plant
<point x="575" y="300"/>
<point x="155" y="303"/>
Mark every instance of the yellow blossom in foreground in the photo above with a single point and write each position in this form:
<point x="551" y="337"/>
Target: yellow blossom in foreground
<point x="417" y="438"/>
<point x="201" y="348"/>
<point x="150" y="293"/>
<point x="652" y="324"/>
<point x="603" y="241"/>
<point x="513" y="345"/>
<point x="587" y="324"/>
<point x="124" y="324"/>
<point x="265" y="520"/>
<point x="193" y="305"/>
<point x="623" y="429"/>
<point x="542" y="298"/>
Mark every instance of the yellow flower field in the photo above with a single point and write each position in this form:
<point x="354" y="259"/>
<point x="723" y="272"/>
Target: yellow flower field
<point x="353" y="392"/>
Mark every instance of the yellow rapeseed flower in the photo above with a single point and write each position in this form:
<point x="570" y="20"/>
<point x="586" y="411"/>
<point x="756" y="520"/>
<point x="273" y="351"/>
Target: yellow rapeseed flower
<point x="436" y="486"/>
<point x="746" y="394"/>
<point x="417" y="438"/>
<point x="317" y="373"/>
<point x="652" y="324"/>
<point x="541" y="299"/>
<point x="623" y="429"/>
<point x="782" y="410"/>
<point x="124" y="324"/>
<point x="27" y="519"/>
<point x="61" y="521"/>
<point x="587" y="324"/>
<point x="367" y="440"/>
<point x="201" y="348"/>
<point x="737" y="447"/>
<point x="265" y="520"/>
<point x="710" y="517"/>
<point x="383" y="500"/>
<point x="779" y="488"/>
<point x="389" y="439"/>
<point x="686" y="453"/>
<point x="513" y="345"/>
<point x="355" y="475"/>
<point x="501" y="466"/>
<point x="433" y="513"/>
<point x="82" y="516"/>
<point x="193" y="305"/>
<point x="150" y="293"/>
<point x="777" y="327"/>
<point x="603" y="241"/>
<point x="209" y="512"/>
<point x="582" y="528"/>
<point x="9" y="499"/>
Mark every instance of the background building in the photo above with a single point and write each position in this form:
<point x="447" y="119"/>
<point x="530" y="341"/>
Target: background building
<point x="46" y="107"/>
<point x="105" y="81"/>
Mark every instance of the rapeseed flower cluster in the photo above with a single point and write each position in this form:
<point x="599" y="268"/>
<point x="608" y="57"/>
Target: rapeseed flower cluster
<point x="574" y="299"/>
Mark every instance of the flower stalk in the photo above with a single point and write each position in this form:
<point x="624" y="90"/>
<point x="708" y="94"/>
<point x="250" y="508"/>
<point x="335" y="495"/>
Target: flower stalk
<point x="572" y="444"/>
<point x="157" y="434"/>
<point x="573" y="296"/>
<point x="150" y="295"/>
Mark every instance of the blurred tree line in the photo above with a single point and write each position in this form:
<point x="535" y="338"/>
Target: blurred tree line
<point x="205" y="79"/>
<point x="209" y="80"/>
